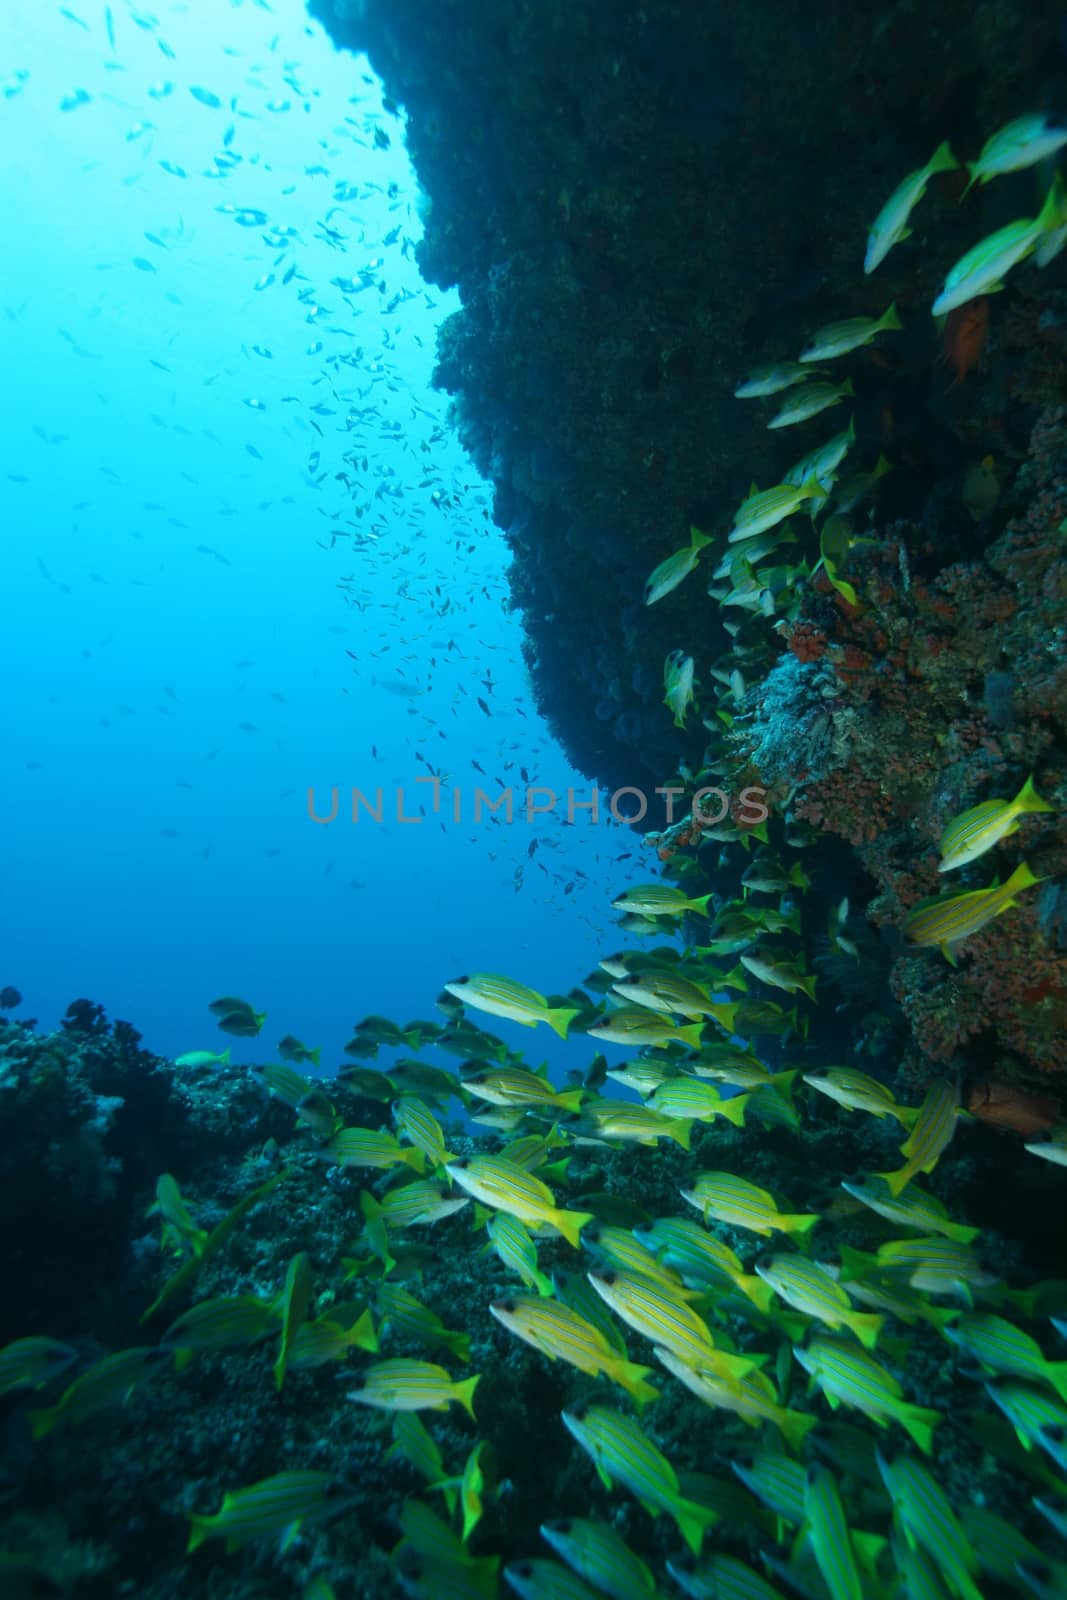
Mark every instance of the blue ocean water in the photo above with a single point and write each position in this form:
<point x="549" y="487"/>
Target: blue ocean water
<point x="245" y="557"/>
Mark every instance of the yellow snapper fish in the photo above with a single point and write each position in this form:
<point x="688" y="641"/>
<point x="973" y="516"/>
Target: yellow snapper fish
<point x="634" y="1025"/>
<point x="678" y="685"/>
<point x="660" y="900"/>
<point x="771" y="379"/>
<point x="930" y="1135"/>
<point x="1023" y="143"/>
<point x="807" y="1288"/>
<point x="823" y="462"/>
<point x="855" y="1091"/>
<point x="928" y="1520"/>
<point x="621" y="1452"/>
<point x="846" y="1373"/>
<point x="670" y="993"/>
<point x="765" y="508"/>
<point x="733" y="1200"/>
<point x="752" y="1397"/>
<point x="913" y="1208"/>
<point x="562" y="1334"/>
<point x="677" y="567"/>
<point x="948" y="920"/>
<point x="275" y="1508"/>
<point x="405" y="1385"/>
<point x="505" y="1186"/>
<point x="829" y="1534"/>
<point x="597" y="1553"/>
<point x="504" y="997"/>
<point x="293" y="1306"/>
<point x="517" y="1251"/>
<point x="202" y="1058"/>
<point x="620" y="1122"/>
<point x="839" y="338"/>
<point x="109" y="1382"/>
<point x="517" y="1086"/>
<point x="31" y="1363"/>
<point x="692" y="1100"/>
<point x="983" y="269"/>
<point x="664" y="1318"/>
<point x="974" y="832"/>
<point x="891" y="223"/>
<point x="809" y="401"/>
<point x="367" y="1147"/>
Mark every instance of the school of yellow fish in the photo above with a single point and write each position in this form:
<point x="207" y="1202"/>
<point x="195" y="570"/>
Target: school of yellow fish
<point x="794" y="1339"/>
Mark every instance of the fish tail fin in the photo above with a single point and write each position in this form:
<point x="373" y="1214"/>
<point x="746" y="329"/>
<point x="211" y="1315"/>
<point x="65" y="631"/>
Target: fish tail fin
<point x="691" y="1034"/>
<point x="959" y="1233"/>
<point x="807" y="984"/>
<point x="799" y="1223"/>
<point x="415" y="1158"/>
<point x="795" y="1427"/>
<point x="866" y="1326"/>
<point x="1028" y="799"/>
<point x="182" y="1358"/>
<point x="846" y="387"/>
<point x="559" y="1019"/>
<point x="694" y="1521"/>
<point x="199" y="1530"/>
<point x="570" y="1225"/>
<point x="679" y="1129"/>
<point x="543" y="1284"/>
<point x="464" y="1393"/>
<point x="631" y="1377"/>
<point x="782" y="1084"/>
<point x="42" y="1422"/>
<point x="734" y="1109"/>
<point x="891" y="320"/>
<point x="942" y="160"/>
<point x="460" y="1345"/>
<point x="1051" y="214"/>
<point x="896" y="1181"/>
<point x="224" y="1058"/>
<point x="314" y="1055"/>
<point x="369" y="1205"/>
<point x="571" y="1100"/>
<point x="1056" y="1373"/>
<point x="1022" y="878"/>
<point x="761" y="1294"/>
<point x="920" y="1423"/>
<point x="854" y="1263"/>
<point x="362" y="1333"/>
<point x="698" y="540"/>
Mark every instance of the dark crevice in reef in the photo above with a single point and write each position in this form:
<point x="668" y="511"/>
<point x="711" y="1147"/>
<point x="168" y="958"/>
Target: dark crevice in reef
<point x="636" y="201"/>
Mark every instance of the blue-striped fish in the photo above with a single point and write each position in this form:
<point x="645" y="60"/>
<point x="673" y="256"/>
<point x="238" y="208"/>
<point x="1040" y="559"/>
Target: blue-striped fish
<point x="720" y="1577"/>
<point x="417" y="1124"/>
<point x="935" y="1266"/>
<point x="109" y="1382"/>
<point x="675" y="568"/>
<point x="368" y="1147"/>
<point x="504" y="997"/>
<point x="597" y="1553"/>
<point x="696" y="1101"/>
<point x="1036" y="1417"/>
<point x="511" y="1240"/>
<point x="413" y="1441"/>
<point x="999" y="1346"/>
<point x="401" y="1314"/>
<point x="500" y="1183"/>
<point x="734" y="1200"/>
<point x="928" y="1520"/>
<point x="540" y="1579"/>
<point x="625" y="1123"/>
<point x="702" y="1260"/>
<point x="621" y="1250"/>
<point x="827" y="1527"/>
<point x="663" y="1318"/>
<point x="855" y="1091"/>
<point x="751" y="1396"/>
<point x="930" y="1135"/>
<point x="973" y="832"/>
<point x="1022" y="143"/>
<point x="219" y="1324"/>
<point x="403" y="1385"/>
<point x="948" y="920"/>
<point x="329" y="1339"/>
<point x="806" y="1287"/>
<point x="622" y="1453"/>
<point x="517" y="1086"/>
<point x="31" y="1363"/>
<point x="561" y="1333"/>
<point x="293" y="1309"/>
<point x="846" y="1373"/>
<point x="777" y="1481"/>
<point x="913" y="1208"/>
<point x="416" y="1204"/>
<point x="275" y="1508"/>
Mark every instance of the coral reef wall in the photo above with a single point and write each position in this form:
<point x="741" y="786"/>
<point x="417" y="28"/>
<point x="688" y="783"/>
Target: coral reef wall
<point x="635" y="201"/>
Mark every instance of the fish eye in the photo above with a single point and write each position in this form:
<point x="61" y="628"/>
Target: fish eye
<point x="523" y="1569"/>
<point x="503" y="1305"/>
